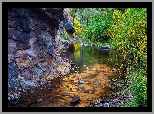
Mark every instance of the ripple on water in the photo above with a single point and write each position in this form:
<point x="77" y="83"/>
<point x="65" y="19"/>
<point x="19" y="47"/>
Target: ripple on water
<point x="92" y="88"/>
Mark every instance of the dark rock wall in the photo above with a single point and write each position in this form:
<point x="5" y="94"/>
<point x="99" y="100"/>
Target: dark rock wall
<point x="32" y="55"/>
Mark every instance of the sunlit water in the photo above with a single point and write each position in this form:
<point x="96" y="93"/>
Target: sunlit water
<point x="89" y="76"/>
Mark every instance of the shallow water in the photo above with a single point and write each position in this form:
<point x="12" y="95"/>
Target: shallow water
<point x="89" y="77"/>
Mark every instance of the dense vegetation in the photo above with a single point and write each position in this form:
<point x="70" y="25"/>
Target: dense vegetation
<point x="124" y="29"/>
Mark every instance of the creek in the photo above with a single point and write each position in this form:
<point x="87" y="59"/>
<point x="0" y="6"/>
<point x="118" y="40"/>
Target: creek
<point x="89" y="78"/>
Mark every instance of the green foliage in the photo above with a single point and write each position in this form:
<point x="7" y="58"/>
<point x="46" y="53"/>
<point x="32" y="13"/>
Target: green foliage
<point x="128" y="34"/>
<point x="97" y="26"/>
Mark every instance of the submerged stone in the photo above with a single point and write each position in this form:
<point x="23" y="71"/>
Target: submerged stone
<point x="113" y="69"/>
<point x="80" y="81"/>
<point x="74" y="101"/>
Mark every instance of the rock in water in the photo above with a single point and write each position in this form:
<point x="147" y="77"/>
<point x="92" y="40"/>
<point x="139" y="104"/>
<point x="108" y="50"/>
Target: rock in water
<point x="74" y="101"/>
<point x="105" y="48"/>
<point x="113" y="69"/>
<point x="80" y="81"/>
<point x="85" y="43"/>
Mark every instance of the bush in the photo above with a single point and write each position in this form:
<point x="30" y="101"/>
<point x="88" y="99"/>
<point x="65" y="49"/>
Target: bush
<point x="97" y="26"/>
<point x="138" y="87"/>
<point x="128" y="34"/>
<point x="78" y="27"/>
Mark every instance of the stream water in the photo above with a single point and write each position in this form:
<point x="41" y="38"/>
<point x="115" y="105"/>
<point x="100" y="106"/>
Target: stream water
<point x="89" y="78"/>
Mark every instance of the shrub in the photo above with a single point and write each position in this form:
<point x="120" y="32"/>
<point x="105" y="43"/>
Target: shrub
<point x="97" y="26"/>
<point x="128" y="34"/>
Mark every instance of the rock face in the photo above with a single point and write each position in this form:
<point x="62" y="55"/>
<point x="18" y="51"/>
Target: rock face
<point x="32" y="45"/>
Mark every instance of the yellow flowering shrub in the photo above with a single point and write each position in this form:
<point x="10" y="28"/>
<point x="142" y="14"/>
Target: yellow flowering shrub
<point x="77" y="26"/>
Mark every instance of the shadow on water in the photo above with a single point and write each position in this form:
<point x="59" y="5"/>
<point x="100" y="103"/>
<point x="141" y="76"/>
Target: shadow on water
<point x="70" y="52"/>
<point x="69" y="55"/>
